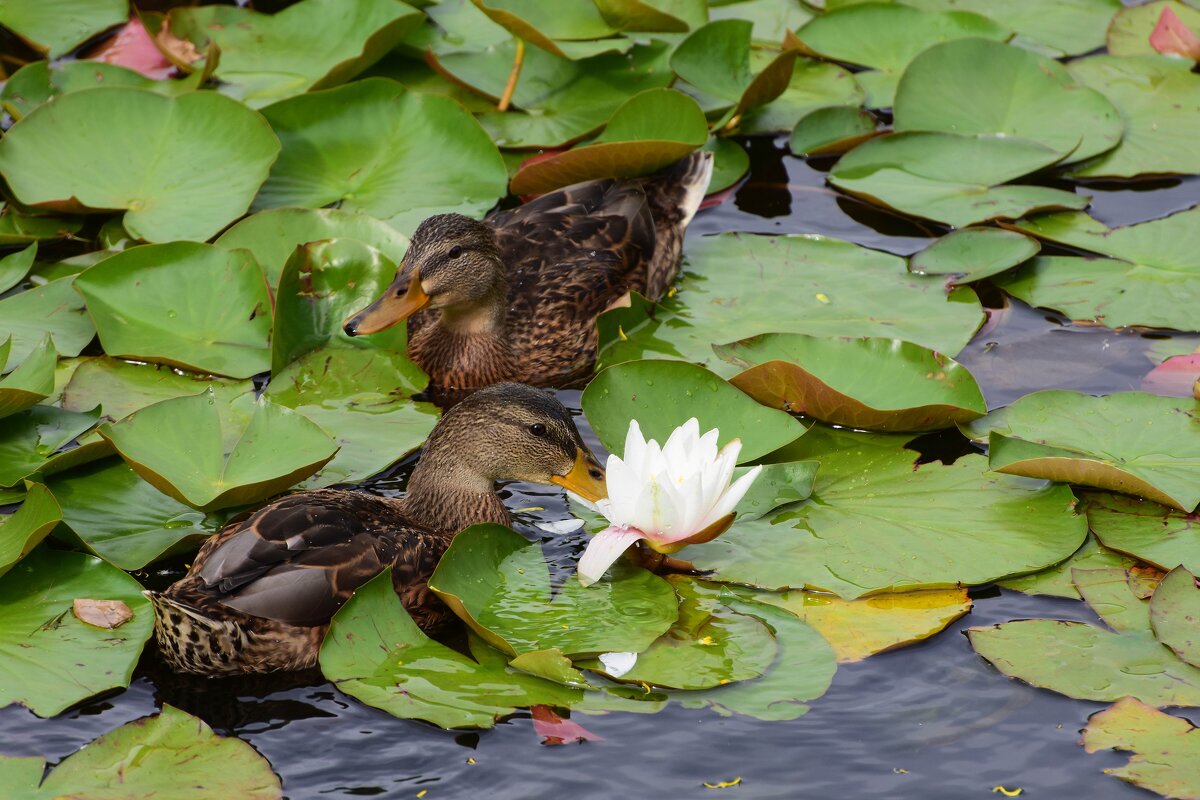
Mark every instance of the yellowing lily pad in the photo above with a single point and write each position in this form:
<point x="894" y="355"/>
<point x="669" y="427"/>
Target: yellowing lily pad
<point x="1156" y="534"/>
<point x="1165" y="748"/>
<point x="871" y="384"/>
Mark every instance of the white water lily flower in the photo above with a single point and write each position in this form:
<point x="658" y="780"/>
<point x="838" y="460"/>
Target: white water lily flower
<point x="669" y="497"/>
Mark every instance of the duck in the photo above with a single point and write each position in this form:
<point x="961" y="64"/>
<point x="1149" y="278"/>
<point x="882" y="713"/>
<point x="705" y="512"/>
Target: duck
<point x="515" y="296"/>
<point x="261" y="592"/>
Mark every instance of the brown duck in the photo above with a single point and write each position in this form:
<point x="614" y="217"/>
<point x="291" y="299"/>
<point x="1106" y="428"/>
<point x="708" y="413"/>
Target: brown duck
<point x="516" y="296"/>
<point x="261" y="592"/>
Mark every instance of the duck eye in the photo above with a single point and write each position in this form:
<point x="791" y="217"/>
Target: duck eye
<point x="537" y="429"/>
<point x="455" y="251"/>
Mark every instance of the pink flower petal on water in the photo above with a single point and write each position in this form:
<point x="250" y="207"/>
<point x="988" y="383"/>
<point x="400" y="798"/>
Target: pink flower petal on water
<point x="1171" y="37"/>
<point x="604" y="549"/>
<point x="1175" y="377"/>
<point x="133" y="49"/>
<point x="555" y="730"/>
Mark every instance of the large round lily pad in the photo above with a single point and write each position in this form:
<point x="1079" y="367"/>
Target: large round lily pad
<point x="211" y="155"/>
<point x="1166" y="748"/>
<point x="1164" y="537"/>
<point x="1175" y="614"/>
<point x="23" y="530"/>
<point x="190" y="305"/>
<point x="1131" y="442"/>
<point x="835" y="288"/>
<point x="985" y="88"/>
<point x="375" y="147"/>
<point x="55" y="28"/>
<point x="876" y="523"/>
<point x="53" y="308"/>
<point x="662" y="395"/>
<point x="499" y="583"/>
<point x="865" y="383"/>
<point x="49" y="660"/>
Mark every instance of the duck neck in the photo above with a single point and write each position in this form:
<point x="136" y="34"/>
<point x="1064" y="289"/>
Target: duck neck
<point x="468" y="347"/>
<point x="446" y="494"/>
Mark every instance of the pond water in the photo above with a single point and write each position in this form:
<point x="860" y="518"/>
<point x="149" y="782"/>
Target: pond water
<point x="929" y="721"/>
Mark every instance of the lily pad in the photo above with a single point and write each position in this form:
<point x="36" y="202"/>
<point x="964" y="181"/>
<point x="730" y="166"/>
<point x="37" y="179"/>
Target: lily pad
<point x="1175" y="614"/>
<point x="1090" y="663"/>
<point x="870" y="384"/>
<point x="53" y="308"/>
<point x="835" y="129"/>
<point x="314" y="44"/>
<point x="985" y="88"/>
<point x="499" y="584"/>
<point x="668" y="16"/>
<point x="21" y="228"/>
<point x="29" y="383"/>
<point x="662" y="395"/>
<point x="189" y="305"/>
<point x="1065" y="27"/>
<point x="949" y="178"/>
<point x="38" y="441"/>
<point x="864" y="627"/>
<point x="1129" y="442"/>
<point x="814" y="85"/>
<point x="1165" y="748"/>
<point x="776" y="485"/>
<point x="154" y="757"/>
<point x="1129" y="32"/>
<point x="730" y="163"/>
<point x="176" y="445"/>
<point x="876" y="523"/>
<point x="972" y="254"/>
<point x="650" y="131"/>
<point x="116" y="515"/>
<point x="886" y="37"/>
<point x="1145" y="530"/>
<point x="25" y="529"/>
<point x="835" y="288"/>
<point x="1153" y="277"/>
<point x="1056" y="581"/>
<point x="373" y="146"/>
<point x="361" y="398"/>
<point x="212" y="156"/>
<point x="39" y="82"/>
<point x="567" y="29"/>
<point x="15" y="266"/>
<point x="273" y="236"/>
<point x="49" y="660"/>
<point x="375" y="653"/>
<point x="56" y="28"/>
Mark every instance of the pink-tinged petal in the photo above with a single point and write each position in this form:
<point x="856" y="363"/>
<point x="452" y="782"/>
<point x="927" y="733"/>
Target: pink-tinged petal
<point x="635" y="446"/>
<point x="556" y="730"/>
<point x="732" y="496"/>
<point x="1171" y="37"/>
<point x="133" y="49"/>
<point x="603" y="550"/>
<point x="1175" y="377"/>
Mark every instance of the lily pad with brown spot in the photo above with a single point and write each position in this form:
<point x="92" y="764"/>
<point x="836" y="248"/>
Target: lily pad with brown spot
<point x="1166" y="748"/>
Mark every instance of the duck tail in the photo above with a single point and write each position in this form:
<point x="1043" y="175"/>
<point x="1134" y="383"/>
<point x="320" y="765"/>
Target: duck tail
<point x="190" y="641"/>
<point x="674" y="196"/>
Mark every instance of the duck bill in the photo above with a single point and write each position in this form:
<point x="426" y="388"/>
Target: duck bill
<point x="585" y="479"/>
<point x="390" y="309"/>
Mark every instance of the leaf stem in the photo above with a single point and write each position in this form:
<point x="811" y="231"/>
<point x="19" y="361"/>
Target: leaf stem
<point x="511" y="86"/>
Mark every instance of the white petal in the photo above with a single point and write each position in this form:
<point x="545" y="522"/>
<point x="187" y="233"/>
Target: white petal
<point x="681" y="445"/>
<point x="561" y="526"/>
<point x="732" y="496"/>
<point x="624" y="485"/>
<point x="617" y="664"/>
<point x="635" y="446"/>
<point x="604" y="549"/>
<point x="707" y="449"/>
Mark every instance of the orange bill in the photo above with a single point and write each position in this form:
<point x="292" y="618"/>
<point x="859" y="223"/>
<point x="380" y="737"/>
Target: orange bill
<point x="585" y="479"/>
<point x="393" y="307"/>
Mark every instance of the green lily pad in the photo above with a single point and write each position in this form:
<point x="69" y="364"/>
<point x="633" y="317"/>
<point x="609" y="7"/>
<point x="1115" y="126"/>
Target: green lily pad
<point x="950" y="178"/>
<point x="835" y="289"/>
<point x="870" y="384"/>
<point x="1175" y="614"/>
<point x="273" y="236"/>
<point x="314" y="44"/>
<point x="190" y="305"/>
<point x="1159" y="99"/>
<point x="213" y="155"/>
<point x="39" y="82"/>
<point x="49" y="660"/>
<point x="361" y="398"/>
<point x="499" y="584"/>
<point x="875" y="523"/>
<point x="709" y="645"/>
<point x="20" y="228"/>
<point x="776" y="485"/>
<point x="1056" y="581"/>
<point x="25" y="529"/>
<point x="1090" y="663"/>
<point x="972" y="254"/>
<point x="814" y="85"/>
<point x="117" y="516"/>
<point x="375" y="653"/>
<point x="15" y="266"/>
<point x="1065" y="27"/>
<point x="1153" y="277"/>
<point x="661" y="395"/>
<point x="648" y="132"/>
<point x="1129" y="442"/>
<point x="669" y="16"/>
<point x="31" y="382"/>
<point x="154" y="757"/>
<point x="566" y="29"/>
<point x="717" y="60"/>
<point x="835" y="129"/>
<point x="36" y="441"/>
<point x="53" y="308"/>
<point x="372" y="146"/>
<point x="176" y="445"/>
<point x="772" y="19"/>
<point x="1165" y="748"/>
<point x="56" y="28"/>
<point x="1129" y="32"/>
<point x="886" y="37"/>
<point x="1145" y="530"/>
<point x="730" y="163"/>
<point x="985" y="88"/>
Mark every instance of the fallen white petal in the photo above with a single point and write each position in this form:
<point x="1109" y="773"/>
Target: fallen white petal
<point x="561" y="526"/>
<point x="603" y="550"/>
<point x="617" y="664"/>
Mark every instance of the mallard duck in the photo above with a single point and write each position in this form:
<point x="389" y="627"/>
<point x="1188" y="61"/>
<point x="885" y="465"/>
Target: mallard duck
<point x="515" y="297"/>
<point x="261" y="592"/>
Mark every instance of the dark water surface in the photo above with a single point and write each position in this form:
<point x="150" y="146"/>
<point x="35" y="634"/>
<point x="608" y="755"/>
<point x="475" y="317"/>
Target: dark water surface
<point x="931" y="721"/>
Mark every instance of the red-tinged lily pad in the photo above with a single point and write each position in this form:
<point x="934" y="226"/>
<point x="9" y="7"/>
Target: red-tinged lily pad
<point x="1175" y="614"/>
<point x="1178" y="376"/>
<point x="1164" y="537"/>
<point x="28" y="526"/>
<point x="869" y="384"/>
<point x="556" y="730"/>
<point x="568" y="29"/>
<point x="1130" y="31"/>
<point x="214" y="153"/>
<point x="1172" y="37"/>
<point x="650" y="131"/>
<point x="1165" y="749"/>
